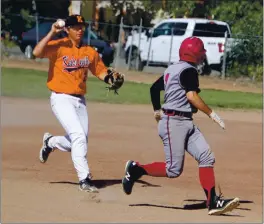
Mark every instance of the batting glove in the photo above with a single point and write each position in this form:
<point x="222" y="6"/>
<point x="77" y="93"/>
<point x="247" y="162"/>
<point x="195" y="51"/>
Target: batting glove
<point x="217" y="119"/>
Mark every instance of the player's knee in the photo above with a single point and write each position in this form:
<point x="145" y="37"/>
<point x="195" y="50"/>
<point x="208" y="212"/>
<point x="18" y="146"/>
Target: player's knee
<point x="207" y="158"/>
<point x="78" y="138"/>
<point x="173" y="172"/>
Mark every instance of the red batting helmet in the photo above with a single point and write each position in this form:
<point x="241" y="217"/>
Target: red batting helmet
<point x="192" y="50"/>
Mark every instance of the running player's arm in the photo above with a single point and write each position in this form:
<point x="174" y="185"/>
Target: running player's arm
<point x="190" y="81"/>
<point x="155" y="90"/>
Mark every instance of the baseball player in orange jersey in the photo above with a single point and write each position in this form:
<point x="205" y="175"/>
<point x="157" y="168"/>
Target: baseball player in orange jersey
<point x="180" y="84"/>
<point x="70" y="61"/>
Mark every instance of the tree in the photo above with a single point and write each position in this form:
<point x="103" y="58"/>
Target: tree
<point x="132" y="12"/>
<point x="245" y="19"/>
<point x="181" y="8"/>
<point x="6" y="8"/>
<point x="12" y="10"/>
<point x="11" y="21"/>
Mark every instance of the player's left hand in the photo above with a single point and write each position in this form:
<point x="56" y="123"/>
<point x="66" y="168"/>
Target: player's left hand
<point x="115" y="79"/>
<point x="217" y="119"/>
<point x="157" y="115"/>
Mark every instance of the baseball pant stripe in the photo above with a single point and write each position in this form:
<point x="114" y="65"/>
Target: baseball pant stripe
<point x="168" y="131"/>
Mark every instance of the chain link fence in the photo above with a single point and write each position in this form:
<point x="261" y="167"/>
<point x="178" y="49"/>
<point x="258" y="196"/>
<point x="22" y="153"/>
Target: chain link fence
<point x="133" y="47"/>
<point x="228" y="55"/>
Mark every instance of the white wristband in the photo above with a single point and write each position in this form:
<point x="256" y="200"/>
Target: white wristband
<point x="217" y="119"/>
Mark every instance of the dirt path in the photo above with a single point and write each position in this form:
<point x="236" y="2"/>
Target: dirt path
<point x="33" y="192"/>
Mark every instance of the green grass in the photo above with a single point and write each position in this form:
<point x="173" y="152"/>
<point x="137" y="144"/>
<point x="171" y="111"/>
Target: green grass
<point x="231" y="99"/>
<point x="32" y="84"/>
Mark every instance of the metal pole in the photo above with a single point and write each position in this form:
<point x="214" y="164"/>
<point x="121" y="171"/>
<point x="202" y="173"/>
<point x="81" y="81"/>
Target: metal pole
<point x="139" y="41"/>
<point x="130" y="49"/>
<point x="119" y="43"/>
<point x="89" y="33"/>
<point x="224" y="58"/>
<point x="149" y="47"/>
<point x="34" y="7"/>
<point x="171" y="42"/>
<point x="37" y="28"/>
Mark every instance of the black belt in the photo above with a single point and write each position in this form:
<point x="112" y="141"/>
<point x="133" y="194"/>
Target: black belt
<point x="178" y="113"/>
<point x="75" y="95"/>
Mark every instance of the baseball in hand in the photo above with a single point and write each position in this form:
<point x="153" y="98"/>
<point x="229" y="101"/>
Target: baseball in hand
<point x="60" y="23"/>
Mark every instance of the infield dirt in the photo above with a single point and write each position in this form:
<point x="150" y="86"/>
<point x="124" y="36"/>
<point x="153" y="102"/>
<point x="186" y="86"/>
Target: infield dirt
<point x="35" y="192"/>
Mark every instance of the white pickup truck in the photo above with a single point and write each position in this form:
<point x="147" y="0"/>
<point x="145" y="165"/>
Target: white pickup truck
<point x="160" y="45"/>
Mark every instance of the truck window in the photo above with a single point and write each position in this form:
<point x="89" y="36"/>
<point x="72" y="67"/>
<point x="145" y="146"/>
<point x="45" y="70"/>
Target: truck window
<point x="179" y="29"/>
<point x="162" y="29"/>
<point x="210" y="30"/>
<point x="165" y="29"/>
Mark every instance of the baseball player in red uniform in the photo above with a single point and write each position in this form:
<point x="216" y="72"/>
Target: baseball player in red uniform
<point x="177" y="131"/>
<point x="70" y="59"/>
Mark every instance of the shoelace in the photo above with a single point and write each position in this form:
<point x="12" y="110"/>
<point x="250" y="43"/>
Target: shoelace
<point x="90" y="176"/>
<point x="220" y="196"/>
<point x="87" y="182"/>
<point x="46" y="150"/>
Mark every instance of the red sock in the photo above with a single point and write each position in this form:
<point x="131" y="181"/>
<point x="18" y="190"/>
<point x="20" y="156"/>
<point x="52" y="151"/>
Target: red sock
<point x="156" y="169"/>
<point x="207" y="181"/>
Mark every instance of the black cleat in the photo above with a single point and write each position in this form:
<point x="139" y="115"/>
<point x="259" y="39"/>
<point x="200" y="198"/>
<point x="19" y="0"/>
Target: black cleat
<point x="219" y="206"/>
<point x="130" y="177"/>
<point x="45" y="149"/>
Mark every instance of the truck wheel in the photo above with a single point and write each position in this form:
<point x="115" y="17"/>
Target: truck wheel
<point x="141" y="65"/>
<point x="133" y="60"/>
<point x="206" y="69"/>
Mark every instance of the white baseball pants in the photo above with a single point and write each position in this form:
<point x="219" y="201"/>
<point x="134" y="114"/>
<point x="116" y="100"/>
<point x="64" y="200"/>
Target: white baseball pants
<point x="72" y="114"/>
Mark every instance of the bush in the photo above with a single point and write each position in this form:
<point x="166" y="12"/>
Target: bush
<point x="246" y="20"/>
<point x="246" y="59"/>
<point x="6" y="43"/>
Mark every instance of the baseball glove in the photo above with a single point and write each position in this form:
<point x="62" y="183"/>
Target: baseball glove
<point x="115" y="79"/>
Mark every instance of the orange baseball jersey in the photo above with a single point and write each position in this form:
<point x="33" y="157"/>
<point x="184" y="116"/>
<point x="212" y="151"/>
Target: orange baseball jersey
<point x="69" y="66"/>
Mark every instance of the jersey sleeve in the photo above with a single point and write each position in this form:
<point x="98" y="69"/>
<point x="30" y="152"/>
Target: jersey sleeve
<point x="155" y="90"/>
<point x="51" y="49"/>
<point x="189" y="80"/>
<point x="97" y="67"/>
